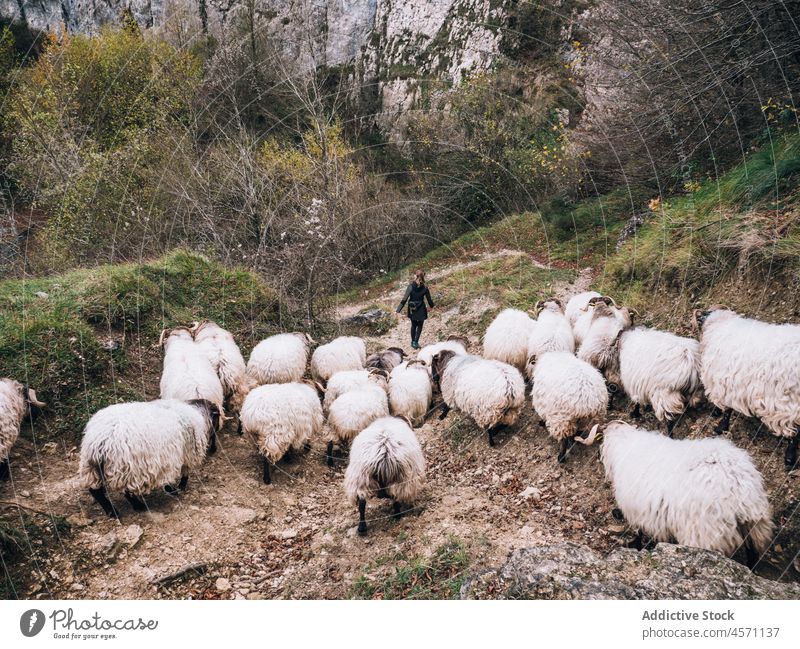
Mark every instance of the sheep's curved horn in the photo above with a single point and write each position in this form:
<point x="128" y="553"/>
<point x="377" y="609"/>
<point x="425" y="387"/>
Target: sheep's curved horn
<point x="610" y="301"/>
<point x="311" y="341"/>
<point x="163" y="335"/>
<point x="592" y="437"/>
<point x="33" y="400"/>
<point x="416" y="361"/>
<point x="405" y="419"/>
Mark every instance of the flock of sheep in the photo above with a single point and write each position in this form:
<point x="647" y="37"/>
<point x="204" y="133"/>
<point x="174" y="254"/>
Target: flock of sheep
<point x="704" y="492"/>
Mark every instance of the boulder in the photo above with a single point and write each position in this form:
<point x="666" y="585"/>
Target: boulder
<point x="572" y="571"/>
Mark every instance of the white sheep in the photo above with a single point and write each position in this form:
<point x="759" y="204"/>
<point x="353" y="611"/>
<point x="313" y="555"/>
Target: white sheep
<point x="457" y="345"/>
<point x="349" y="380"/>
<point x="141" y="446"/>
<point x="578" y="305"/>
<point x="281" y="418"/>
<point x="352" y="412"/>
<point x="279" y="359"/>
<point x="221" y="349"/>
<point x="187" y="373"/>
<point x="552" y="333"/>
<point x="704" y="493"/>
<point x="15" y="400"/>
<point x="506" y="339"/>
<point x="569" y="395"/>
<point x="752" y="367"/>
<point x="386" y="461"/>
<point x="341" y="354"/>
<point x="659" y="369"/>
<point x="490" y="392"/>
<point x="386" y="360"/>
<point x="410" y="391"/>
<point x="598" y="346"/>
<point x="586" y="317"/>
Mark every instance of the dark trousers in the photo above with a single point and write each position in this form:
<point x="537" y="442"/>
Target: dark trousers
<point x="416" y="329"/>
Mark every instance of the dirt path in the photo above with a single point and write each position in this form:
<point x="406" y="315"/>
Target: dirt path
<point x="296" y="538"/>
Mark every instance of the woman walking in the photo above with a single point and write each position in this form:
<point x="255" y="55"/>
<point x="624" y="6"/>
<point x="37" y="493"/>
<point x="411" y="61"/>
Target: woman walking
<point x="416" y="294"/>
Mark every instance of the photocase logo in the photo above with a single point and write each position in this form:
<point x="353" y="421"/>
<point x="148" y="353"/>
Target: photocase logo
<point x="31" y="622"/>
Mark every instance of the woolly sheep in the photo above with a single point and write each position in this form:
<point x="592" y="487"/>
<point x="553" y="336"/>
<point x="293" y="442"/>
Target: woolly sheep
<point x="386" y="360"/>
<point x="704" y="493"/>
<point x="187" y="373"/>
<point x="659" y="369"/>
<point x="597" y="347"/>
<point x="352" y="412"/>
<point x="490" y="392"/>
<point x="578" y="304"/>
<point x="281" y="418"/>
<point x="221" y="349"/>
<point x="141" y="446"/>
<point x="15" y="400"/>
<point x="350" y="380"/>
<point x="452" y="344"/>
<point x="386" y="461"/>
<point x="552" y="333"/>
<point x="279" y="359"/>
<point x="568" y="394"/>
<point x="343" y="353"/>
<point x="752" y="367"/>
<point x="586" y="318"/>
<point x="506" y="339"/>
<point x="410" y="391"/>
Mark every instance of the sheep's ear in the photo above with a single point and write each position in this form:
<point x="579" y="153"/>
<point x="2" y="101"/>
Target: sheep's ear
<point x="33" y="400"/>
<point x="594" y="435"/>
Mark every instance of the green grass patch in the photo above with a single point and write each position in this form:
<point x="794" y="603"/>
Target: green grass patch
<point x="747" y="223"/>
<point x="511" y="280"/>
<point x="399" y="577"/>
<point x="88" y="338"/>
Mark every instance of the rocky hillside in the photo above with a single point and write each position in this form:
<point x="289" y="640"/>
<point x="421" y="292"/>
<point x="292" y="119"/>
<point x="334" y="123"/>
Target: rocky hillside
<point x="389" y="45"/>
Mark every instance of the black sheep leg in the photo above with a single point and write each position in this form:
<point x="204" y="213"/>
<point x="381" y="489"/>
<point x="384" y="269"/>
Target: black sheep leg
<point x="563" y="448"/>
<point x="724" y="423"/>
<point x="444" y="411"/>
<point x="670" y="426"/>
<point x="136" y="502"/>
<point x="362" y="519"/>
<point x="102" y="499"/>
<point x="212" y="443"/>
<point x="716" y="412"/>
<point x="397" y="510"/>
<point x="329" y="454"/>
<point x="4" y="471"/>
<point x="636" y="412"/>
<point x="638" y="542"/>
<point x="751" y="556"/>
<point x="611" y="388"/>
<point x="790" y="457"/>
<point x="267" y="477"/>
<point x="183" y="483"/>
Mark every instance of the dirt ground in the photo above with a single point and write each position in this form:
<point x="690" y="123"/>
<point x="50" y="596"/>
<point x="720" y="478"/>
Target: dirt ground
<point x="232" y="537"/>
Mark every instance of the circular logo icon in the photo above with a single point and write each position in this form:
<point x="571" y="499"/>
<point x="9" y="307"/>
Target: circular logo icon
<point x="31" y="622"/>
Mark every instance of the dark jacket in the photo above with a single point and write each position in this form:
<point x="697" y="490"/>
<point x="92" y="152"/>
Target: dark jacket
<point x="416" y="296"/>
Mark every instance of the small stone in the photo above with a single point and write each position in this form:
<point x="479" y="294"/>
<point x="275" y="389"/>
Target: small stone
<point x="222" y="585"/>
<point x="77" y="586"/>
<point x="616" y="529"/>
<point x="254" y="596"/>
<point x="25" y="494"/>
<point x="78" y="521"/>
<point x="42" y="295"/>
<point x="531" y="492"/>
<point x="132" y="535"/>
<point x="289" y="533"/>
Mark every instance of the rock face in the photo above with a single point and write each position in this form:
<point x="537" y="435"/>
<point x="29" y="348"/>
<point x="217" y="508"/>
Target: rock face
<point x="572" y="571"/>
<point x="388" y="46"/>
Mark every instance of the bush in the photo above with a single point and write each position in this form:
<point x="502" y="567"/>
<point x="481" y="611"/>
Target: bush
<point x="88" y="338"/>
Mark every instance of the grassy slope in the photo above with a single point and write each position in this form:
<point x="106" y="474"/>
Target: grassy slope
<point x="88" y="338"/>
<point x="734" y="240"/>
